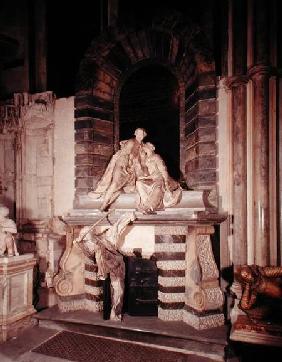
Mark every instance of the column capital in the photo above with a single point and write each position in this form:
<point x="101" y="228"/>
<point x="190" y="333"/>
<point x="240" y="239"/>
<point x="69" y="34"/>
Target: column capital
<point x="236" y="81"/>
<point x="260" y="70"/>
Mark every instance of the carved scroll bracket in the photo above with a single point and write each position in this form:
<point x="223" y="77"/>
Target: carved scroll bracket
<point x="203" y="293"/>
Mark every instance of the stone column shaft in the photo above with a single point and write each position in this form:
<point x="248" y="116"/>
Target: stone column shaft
<point x="239" y="150"/>
<point x="261" y="32"/>
<point x="260" y="77"/>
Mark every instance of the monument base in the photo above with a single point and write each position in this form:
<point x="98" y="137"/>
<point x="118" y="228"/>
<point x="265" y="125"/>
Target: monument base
<point x="179" y="243"/>
<point x="203" y="320"/>
<point x="16" y="307"/>
<point x="260" y="332"/>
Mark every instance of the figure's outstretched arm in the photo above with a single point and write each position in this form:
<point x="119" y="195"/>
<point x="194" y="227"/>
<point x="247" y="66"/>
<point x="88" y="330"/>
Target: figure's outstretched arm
<point x="271" y="271"/>
<point x="113" y="234"/>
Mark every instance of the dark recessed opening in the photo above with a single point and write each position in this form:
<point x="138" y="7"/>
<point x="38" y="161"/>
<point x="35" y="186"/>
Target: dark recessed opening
<point x="150" y="99"/>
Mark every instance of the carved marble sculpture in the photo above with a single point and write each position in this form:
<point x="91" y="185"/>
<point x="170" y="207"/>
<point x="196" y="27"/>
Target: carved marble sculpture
<point x="101" y="243"/>
<point x="121" y="172"/>
<point x="136" y="167"/>
<point x="155" y="188"/>
<point x="7" y="229"/>
<point x="104" y="244"/>
<point x="261" y="286"/>
<point x="118" y="174"/>
<point x="57" y="228"/>
<point x="70" y="279"/>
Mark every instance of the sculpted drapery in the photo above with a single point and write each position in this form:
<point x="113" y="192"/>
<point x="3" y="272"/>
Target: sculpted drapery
<point x="155" y="188"/>
<point x="102" y="242"/>
<point x="137" y="168"/>
<point x="7" y="229"/>
<point x="121" y="172"/>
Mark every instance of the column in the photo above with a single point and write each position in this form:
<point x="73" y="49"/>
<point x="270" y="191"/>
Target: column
<point x="40" y="34"/>
<point x="280" y="168"/>
<point x="237" y="85"/>
<point x="260" y="76"/>
<point x="239" y="163"/>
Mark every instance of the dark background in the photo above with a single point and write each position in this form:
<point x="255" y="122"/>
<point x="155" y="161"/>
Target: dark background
<point x="71" y="26"/>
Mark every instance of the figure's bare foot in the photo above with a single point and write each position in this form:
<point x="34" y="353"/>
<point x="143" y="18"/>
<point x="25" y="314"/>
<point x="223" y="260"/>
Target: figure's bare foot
<point x="149" y="212"/>
<point x="115" y="317"/>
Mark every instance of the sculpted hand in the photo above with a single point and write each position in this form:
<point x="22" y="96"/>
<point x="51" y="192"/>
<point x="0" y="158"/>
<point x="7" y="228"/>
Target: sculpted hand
<point x="76" y="241"/>
<point x="132" y="216"/>
<point x="167" y="187"/>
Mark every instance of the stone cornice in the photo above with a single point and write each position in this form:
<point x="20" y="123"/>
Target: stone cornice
<point x="255" y="71"/>
<point x="236" y="81"/>
<point x="260" y="70"/>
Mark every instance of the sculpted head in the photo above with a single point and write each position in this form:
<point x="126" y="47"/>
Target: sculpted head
<point x="245" y="274"/>
<point x="4" y="212"/>
<point x="149" y="148"/>
<point x="140" y="134"/>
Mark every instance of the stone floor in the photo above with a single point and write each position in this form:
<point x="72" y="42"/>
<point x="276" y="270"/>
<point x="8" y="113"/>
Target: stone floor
<point x="198" y="346"/>
<point x="19" y="349"/>
<point x="145" y="325"/>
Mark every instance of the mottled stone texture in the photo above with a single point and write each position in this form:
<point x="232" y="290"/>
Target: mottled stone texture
<point x="175" y="43"/>
<point x="239" y="131"/>
<point x="16" y="309"/>
<point x="261" y="166"/>
<point x="171" y="296"/>
<point x="200" y="132"/>
<point x="93" y="140"/>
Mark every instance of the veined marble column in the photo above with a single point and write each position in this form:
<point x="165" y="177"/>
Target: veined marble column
<point x="237" y="85"/>
<point x="260" y="75"/>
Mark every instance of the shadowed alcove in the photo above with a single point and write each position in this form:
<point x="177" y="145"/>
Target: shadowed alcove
<point x="153" y="78"/>
<point x="149" y="99"/>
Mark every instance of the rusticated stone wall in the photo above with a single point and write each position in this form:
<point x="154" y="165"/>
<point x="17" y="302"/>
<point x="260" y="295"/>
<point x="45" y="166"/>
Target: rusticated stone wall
<point x="173" y="42"/>
<point x="200" y="132"/>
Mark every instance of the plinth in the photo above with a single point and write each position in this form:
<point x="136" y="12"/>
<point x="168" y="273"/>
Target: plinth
<point x="178" y="239"/>
<point x="16" y="284"/>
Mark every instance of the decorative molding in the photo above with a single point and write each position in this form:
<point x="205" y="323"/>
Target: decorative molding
<point x="203" y="293"/>
<point x="236" y="81"/>
<point x="170" y="314"/>
<point x="205" y="322"/>
<point x="260" y="70"/>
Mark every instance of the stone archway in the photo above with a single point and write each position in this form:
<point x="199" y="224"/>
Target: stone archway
<point x="173" y="42"/>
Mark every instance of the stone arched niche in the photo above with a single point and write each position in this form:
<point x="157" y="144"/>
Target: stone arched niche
<point x="149" y="98"/>
<point x="173" y="43"/>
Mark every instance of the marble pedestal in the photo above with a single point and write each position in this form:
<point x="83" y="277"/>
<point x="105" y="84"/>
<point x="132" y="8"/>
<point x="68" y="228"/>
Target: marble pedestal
<point x="38" y="238"/>
<point x="16" y="283"/>
<point x="178" y="239"/>
<point x="204" y="298"/>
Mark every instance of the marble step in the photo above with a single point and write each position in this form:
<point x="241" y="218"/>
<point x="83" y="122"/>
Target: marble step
<point x="208" y="345"/>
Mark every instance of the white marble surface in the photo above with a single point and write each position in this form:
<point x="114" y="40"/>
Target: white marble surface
<point x="138" y="237"/>
<point x="190" y="200"/>
<point x="16" y="288"/>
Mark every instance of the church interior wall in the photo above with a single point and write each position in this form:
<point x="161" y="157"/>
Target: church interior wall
<point x="55" y="149"/>
<point x="63" y="155"/>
